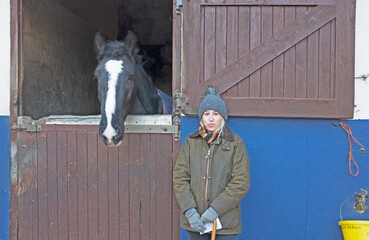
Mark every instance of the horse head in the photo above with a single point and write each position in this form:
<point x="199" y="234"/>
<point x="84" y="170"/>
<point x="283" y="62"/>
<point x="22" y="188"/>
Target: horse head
<point x="123" y="86"/>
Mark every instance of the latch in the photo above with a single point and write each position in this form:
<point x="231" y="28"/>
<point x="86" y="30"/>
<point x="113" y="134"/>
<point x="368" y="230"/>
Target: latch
<point x="177" y="115"/>
<point x="25" y="123"/>
<point x="179" y="7"/>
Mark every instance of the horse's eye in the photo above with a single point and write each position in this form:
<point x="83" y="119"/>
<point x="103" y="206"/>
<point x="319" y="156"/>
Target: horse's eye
<point x="131" y="76"/>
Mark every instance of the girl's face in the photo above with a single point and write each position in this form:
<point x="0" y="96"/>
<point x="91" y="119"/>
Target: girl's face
<point x="211" y="120"/>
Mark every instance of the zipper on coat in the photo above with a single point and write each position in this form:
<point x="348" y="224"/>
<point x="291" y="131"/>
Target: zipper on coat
<point x="207" y="178"/>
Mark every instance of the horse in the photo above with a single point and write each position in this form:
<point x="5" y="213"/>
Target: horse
<point x="124" y="87"/>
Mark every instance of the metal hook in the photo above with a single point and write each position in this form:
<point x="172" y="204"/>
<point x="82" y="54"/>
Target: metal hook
<point x="336" y="124"/>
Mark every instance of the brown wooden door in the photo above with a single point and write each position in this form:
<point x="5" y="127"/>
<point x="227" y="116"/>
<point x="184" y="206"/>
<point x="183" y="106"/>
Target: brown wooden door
<point x="275" y="58"/>
<point x="67" y="185"/>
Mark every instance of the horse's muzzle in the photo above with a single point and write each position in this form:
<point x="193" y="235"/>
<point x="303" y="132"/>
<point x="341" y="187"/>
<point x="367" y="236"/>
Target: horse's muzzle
<point x="113" y="141"/>
<point x="114" y="145"/>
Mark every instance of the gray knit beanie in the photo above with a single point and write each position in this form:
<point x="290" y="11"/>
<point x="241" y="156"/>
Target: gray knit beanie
<point x="212" y="101"/>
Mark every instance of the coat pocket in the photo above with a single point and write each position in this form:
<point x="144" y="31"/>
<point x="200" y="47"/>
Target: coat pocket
<point x="231" y="218"/>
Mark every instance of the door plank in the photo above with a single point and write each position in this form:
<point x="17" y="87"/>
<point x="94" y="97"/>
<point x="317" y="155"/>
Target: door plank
<point x="312" y="65"/>
<point x="164" y="193"/>
<point x="147" y="218"/>
<point x="345" y="68"/>
<point x="82" y="171"/>
<point x="92" y="176"/>
<point x="278" y="62"/>
<point x="232" y="43"/>
<point x="26" y="184"/>
<point x="72" y="176"/>
<point x="244" y="46"/>
<point x="52" y="190"/>
<point x="221" y="38"/>
<point x="134" y="188"/>
<point x="289" y="71"/>
<point x="102" y="190"/>
<point x="124" y="188"/>
<point x="255" y="34"/>
<point x="42" y="165"/>
<point x="324" y="62"/>
<point x="301" y="63"/>
<point x="266" y="33"/>
<point x="62" y="204"/>
<point x="113" y="198"/>
<point x="209" y="42"/>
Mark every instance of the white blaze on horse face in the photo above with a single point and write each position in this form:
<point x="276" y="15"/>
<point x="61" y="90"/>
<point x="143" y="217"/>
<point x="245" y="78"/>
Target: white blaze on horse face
<point x="114" y="68"/>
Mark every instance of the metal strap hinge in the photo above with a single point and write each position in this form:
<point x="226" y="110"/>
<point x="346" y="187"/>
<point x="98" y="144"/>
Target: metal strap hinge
<point x="25" y="123"/>
<point x="177" y="101"/>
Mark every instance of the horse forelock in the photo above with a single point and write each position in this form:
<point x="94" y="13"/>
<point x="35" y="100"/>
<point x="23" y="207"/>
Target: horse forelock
<point x="117" y="50"/>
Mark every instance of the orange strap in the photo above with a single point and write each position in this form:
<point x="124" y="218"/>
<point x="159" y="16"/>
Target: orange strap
<point x="351" y="157"/>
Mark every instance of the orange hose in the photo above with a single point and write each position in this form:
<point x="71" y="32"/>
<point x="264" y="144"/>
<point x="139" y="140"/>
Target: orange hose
<point x="351" y="157"/>
<point x="213" y="233"/>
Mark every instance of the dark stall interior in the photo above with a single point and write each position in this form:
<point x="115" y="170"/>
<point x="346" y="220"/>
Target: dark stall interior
<point x="58" y="53"/>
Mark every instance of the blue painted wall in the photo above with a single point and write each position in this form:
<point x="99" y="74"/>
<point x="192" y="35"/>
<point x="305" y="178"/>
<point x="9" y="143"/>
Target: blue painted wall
<point x="4" y="177"/>
<point x="299" y="175"/>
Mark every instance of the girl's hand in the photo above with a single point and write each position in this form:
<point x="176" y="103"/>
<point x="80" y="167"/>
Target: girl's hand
<point x="209" y="215"/>
<point x="194" y="219"/>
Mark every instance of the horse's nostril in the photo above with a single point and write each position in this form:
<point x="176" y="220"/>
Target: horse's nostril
<point x="117" y="138"/>
<point x="105" y="139"/>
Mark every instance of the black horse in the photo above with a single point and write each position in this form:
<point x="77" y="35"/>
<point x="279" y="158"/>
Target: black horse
<point x="124" y="86"/>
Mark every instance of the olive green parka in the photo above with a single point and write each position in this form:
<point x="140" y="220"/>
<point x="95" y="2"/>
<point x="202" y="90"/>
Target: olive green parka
<point x="218" y="176"/>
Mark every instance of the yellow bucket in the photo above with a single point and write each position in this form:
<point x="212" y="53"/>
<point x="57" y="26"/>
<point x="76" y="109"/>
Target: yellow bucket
<point x="355" y="230"/>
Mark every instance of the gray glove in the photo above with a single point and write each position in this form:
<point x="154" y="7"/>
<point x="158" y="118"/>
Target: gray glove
<point x="209" y="215"/>
<point x="194" y="219"/>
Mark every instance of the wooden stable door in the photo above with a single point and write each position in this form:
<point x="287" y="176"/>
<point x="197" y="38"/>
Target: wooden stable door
<point x="275" y="58"/>
<point x="67" y="185"/>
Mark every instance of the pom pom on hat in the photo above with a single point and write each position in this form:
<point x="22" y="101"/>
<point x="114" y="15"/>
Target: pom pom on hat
<point x="212" y="101"/>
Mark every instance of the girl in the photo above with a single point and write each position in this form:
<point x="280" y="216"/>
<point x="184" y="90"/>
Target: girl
<point x="211" y="174"/>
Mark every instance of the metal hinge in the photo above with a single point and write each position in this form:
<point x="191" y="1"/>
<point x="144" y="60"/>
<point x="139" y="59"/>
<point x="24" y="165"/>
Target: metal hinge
<point x="177" y="101"/>
<point x="25" y="123"/>
<point x="179" y="7"/>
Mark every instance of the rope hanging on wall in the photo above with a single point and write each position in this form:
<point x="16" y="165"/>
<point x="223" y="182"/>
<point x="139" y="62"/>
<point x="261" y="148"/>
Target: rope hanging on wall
<point x="351" y="157"/>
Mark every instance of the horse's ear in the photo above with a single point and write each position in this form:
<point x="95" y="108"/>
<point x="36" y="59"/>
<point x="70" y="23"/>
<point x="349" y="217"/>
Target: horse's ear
<point x="131" y="43"/>
<point x="100" y="41"/>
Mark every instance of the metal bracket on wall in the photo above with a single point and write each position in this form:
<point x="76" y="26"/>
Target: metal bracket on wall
<point x="177" y="101"/>
<point x="179" y="7"/>
<point x="25" y="123"/>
